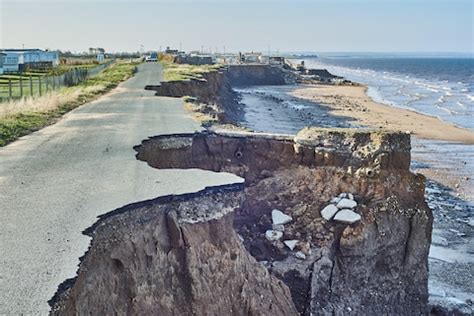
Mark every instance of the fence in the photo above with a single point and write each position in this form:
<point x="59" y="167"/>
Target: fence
<point x="16" y="86"/>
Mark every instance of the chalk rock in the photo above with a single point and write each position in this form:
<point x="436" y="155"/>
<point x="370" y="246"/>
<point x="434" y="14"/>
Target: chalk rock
<point x="438" y="240"/>
<point x="347" y="216"/>
<point x="343" y="195"/>
<point x="300" y="255"/>
<point x="346" y="203"/>
<point x="280" y="218"/>
<point x="280" y="228"/>
<point x="291" y="244"/>
<point x="335" y="200"/>
<point x="436" y="291"/>
<point x="273" y="235"/>
<point x="350" y="196"/>
<point x="471" y="222"/>
<point x="329" y="211"/>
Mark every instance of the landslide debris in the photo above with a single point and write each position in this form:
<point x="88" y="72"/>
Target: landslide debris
<point x="376" y="265"/>
<point x="175" y="255"/>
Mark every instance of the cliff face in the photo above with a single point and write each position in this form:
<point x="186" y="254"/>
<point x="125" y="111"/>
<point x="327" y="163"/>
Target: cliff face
<point x="181" y="255"/>
<point x="176" y="255"/>
<point x="216" y="87"/>
<point x="252" y="75"/>
<point x="377" y="265"/>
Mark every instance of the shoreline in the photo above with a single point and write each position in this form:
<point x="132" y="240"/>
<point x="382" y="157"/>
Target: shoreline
<point x="354" y="102"/>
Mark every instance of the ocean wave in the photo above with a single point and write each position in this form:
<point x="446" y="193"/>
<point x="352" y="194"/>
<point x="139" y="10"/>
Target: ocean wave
<point x="451" y="112"/>
<point x="461" y="104"/>
<point x="450" y="100"/>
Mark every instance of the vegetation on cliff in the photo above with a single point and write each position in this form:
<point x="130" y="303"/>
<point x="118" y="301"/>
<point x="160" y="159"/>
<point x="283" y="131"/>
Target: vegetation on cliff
<point x="185" y="72"/>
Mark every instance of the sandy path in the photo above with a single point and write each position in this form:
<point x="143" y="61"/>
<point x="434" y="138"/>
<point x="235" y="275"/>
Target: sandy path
<point x="353" y="101"/>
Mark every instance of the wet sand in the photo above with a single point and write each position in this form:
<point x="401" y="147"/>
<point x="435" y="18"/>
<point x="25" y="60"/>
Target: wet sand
<point x="440" y="151"/>
<point x="353" y="101"/>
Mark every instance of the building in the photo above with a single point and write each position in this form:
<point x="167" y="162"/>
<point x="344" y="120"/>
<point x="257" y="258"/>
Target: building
<point x="170" y="51"/>
<point x="2" y="60"/>
<point x="16" y="60"/>
<point x="250" y="57"/>
<point x="277" y="60"/>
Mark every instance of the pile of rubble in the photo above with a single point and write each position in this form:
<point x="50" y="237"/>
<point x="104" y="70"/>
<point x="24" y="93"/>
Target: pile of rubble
<point x="279" y="220"/>
<point x="341" y="209"/>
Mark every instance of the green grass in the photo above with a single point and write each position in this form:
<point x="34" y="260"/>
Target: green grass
<point x="17" y="125"/>
<point x="185" y="72"/>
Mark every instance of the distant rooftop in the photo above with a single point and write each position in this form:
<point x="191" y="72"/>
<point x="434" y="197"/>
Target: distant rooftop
<point x="21" y="49"/>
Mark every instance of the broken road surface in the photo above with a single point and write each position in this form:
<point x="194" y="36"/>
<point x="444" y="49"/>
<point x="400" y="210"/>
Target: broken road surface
<point x="55" y="182"/>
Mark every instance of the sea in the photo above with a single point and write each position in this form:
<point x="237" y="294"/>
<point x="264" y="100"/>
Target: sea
<point x="433" y="84"/>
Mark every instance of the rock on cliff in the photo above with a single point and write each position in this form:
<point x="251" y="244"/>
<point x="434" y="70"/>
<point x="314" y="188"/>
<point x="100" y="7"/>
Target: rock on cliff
<point x="376" y="266"/>
<point x="176" y="255"/>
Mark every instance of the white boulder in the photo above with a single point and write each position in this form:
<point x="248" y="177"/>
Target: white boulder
<point x="273" y="235"/>
<point x="280" y="228"/>
<point x="291" y="244"/>
<point x="350" y="196"/>
<point x="335" y="200"/>
<point x="280" y="218"/>
<point x="347" y="216"/>
<point x="300" y="255"/>
<point x="329" y="211"/>
<point x="346" y="203"/>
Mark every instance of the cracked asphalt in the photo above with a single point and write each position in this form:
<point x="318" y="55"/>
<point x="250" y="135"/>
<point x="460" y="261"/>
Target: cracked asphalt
<point x="55" y="182"/>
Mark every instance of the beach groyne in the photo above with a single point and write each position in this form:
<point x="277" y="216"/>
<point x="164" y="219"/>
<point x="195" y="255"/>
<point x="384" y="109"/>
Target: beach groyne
<point x="169" y="254"/>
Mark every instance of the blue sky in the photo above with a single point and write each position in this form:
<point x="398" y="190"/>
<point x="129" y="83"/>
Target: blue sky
<point x="293" y="25"/>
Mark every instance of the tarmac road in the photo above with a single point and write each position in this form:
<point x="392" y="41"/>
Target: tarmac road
<point x="55" y="182"/>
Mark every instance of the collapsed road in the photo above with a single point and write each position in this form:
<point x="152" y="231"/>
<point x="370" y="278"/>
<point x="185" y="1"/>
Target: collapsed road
<point x="55" y="182"/>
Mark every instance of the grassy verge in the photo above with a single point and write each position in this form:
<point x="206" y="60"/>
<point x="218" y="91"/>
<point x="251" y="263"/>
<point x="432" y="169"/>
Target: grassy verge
<point x="21" y="117"/>
<point x="181" y="72"/>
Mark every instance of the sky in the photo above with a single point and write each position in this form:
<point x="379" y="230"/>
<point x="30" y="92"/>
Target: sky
<point x="281" y="25"/>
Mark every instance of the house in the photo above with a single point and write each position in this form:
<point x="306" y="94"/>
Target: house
<point x="251" y="57"/>
<point x="170" y="51"/>
<point x="10" y="61"/>
<point x="2" y="60"/>
<point x="277" y="60"/>
<point x="23" y="59"/>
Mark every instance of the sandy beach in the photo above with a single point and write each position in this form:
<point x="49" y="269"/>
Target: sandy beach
<point x="353" y="101"/>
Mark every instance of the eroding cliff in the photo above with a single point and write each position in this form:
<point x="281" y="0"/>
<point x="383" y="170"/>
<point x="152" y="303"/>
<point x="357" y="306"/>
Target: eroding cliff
<point x="210" y="253"/>
<point x="377" y="265"/>
<point x="215" y="87"/>
<point x="176" y="255"/>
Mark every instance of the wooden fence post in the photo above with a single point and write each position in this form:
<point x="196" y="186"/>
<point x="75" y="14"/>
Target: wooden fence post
<point x="47" y="81"/>
<point x="10" y="88"/>
<point x="31" y="86"/>
<point x="39" y="85"/>
<point x="21" y="86"/>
